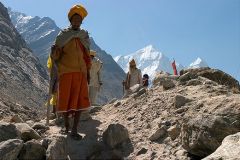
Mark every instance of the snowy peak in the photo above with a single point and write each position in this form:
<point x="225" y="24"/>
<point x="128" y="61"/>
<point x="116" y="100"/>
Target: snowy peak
<point x="148" y="59"/>
<point x="198" y="63"/>
<point x="39" y="33"/>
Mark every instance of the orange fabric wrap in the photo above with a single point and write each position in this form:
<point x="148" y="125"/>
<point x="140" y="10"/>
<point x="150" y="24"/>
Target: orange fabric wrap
<point x="72" y="92"/>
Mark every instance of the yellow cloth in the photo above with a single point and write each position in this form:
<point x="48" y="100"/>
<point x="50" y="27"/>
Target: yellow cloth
<point x="77" y="9"/>
<point x="49" y="63"/>
<point x="53" y="100"/>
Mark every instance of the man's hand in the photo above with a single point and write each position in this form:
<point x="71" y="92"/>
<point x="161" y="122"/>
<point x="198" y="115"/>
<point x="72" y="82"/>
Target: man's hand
<point x="55" y="52"/>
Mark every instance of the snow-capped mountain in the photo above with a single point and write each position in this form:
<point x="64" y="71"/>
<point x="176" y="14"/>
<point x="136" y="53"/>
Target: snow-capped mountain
<point x="39" y="33"/>
<point x="198" y="63"/>
<point x="149" y="60"/>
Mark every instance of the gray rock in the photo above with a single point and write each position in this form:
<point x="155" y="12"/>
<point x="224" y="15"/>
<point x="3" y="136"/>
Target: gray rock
<point x="167" y="84"/>
<point x="187" y="76"/>
<point x="57" y="148"/>
<point x="32" y="150"/>
<point x="140" y="92"/>
<point x="39" y="125"/>
<point x="115" y="135"/>
<point x="8" y="131"/>
<point x="117" y="103"/>
<point x="10" y="149"/>
<point x="158" y="133"/>
<point x="203" y="135"/>
<point x="17" y="119"/>
<point x="174" y="132"/>
<point x="27" y="133"/>
<point x="142" y="151"/>
<point x="180" y="101"/>
<point x="230" y="149"/>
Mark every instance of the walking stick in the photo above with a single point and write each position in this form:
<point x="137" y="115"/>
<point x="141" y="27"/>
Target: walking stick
<point x="48" y="105"/>
<point x="123" y="84"/>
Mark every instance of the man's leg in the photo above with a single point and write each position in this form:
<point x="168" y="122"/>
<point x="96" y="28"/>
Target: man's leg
<point x="75" y="122"/>
<point x="66" y="122"/>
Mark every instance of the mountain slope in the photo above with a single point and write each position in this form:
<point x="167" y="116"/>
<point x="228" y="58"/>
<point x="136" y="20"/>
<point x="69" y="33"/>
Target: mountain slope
<point x="39" y="33"/>
<point x="112" y="75"/>
<point x="23" y="79"/>
<point x="149" y="60"/>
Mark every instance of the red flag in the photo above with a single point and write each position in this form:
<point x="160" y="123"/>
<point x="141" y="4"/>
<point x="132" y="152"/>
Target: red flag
<point x="174" y="68"/>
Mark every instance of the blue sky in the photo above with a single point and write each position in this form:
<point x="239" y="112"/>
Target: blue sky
<point x="181" y="29"/>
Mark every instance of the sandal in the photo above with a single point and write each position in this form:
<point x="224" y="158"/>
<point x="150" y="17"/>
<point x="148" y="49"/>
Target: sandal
<point x="76" y="136"/>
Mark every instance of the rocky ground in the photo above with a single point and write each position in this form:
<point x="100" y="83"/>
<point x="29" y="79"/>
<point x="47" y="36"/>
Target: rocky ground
<point x="192" y="116"/>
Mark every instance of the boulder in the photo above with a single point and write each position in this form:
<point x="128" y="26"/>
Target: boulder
<point x="33" y="150"/>
<point x="215" y="75"/>
<point x="230" y="149"/>
<point x="180" y="101"/>
<point x="10" y="149"/>
<point x="8" y="131"/>
<point x="115" y="135"/>
<point x="27" y="133"/>
<point x="57" y="148"/>
<point x="203" y="135"/>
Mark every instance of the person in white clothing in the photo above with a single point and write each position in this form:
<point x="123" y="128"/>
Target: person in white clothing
<point x="134" y="77"/>
<point x="95" y="74"/>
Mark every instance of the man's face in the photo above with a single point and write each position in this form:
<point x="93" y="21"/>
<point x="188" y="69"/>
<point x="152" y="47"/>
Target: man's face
<point x="76" y="21"/>
<point x="132" y="66"/>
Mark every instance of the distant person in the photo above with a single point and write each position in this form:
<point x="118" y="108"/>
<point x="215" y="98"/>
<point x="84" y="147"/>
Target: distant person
<point x="145" y="80"/>
<point x="95" y="74"/>
<point x="134" y="76"/>
<point x="95" y="83"/>
<point x="71" y="53"/>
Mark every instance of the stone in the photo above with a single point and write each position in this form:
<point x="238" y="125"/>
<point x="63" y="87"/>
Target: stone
<point x="157" y="133"/>
<point x="8" y="131"/>
<point x="40" y="126"/>
<point x="32" y="150"/>
<point x="27" y="133"/>
<point x="115" y="135"/>
<point x="117" y="103"/>
<point x="17" y="119"/>
<point x="167" y="84"/>
<point x="203" y="134"/>
<point x="10" y="149"/>
<point x="142" y="151"/>
<point x="57" y="148"/>
<point x="174" y="132"/>
<point x="139" y="93"/>
<point x="229" y="149"/>
<point x="180" y="101"/>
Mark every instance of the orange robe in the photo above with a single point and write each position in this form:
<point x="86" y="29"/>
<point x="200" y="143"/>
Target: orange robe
<point x="73" y="64"/>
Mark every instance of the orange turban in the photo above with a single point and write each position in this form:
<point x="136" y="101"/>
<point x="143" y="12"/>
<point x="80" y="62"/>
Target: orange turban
<point x="77" y="9"/>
